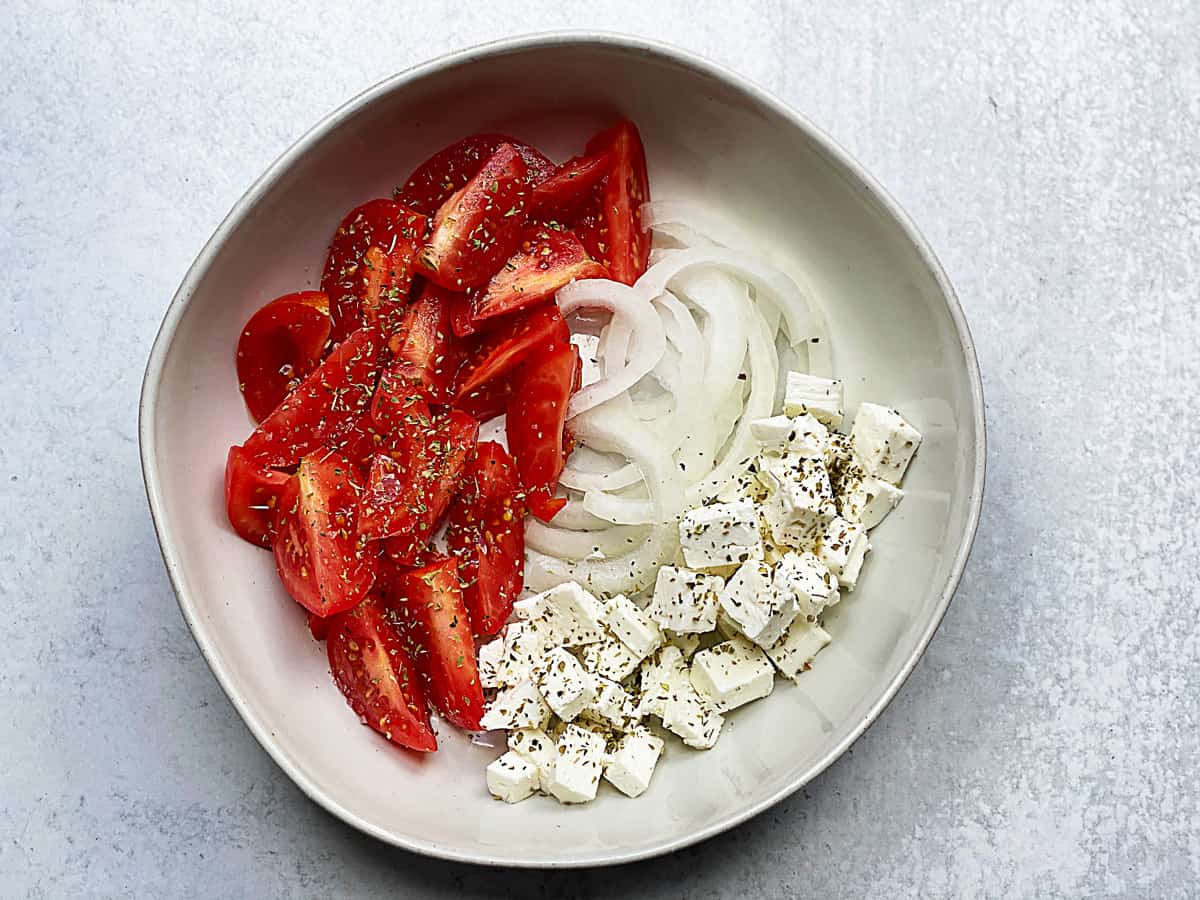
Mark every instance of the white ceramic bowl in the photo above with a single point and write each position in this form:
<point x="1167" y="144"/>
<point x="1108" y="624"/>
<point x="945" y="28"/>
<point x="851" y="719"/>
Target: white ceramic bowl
<point x="898" y="337"/>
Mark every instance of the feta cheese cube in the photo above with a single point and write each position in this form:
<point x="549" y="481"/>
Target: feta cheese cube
<point x="842" y="549"/>
<point x="518" y="706"/>
<point x="802" y="435"/>
<point x="491" y="656"/>
<point x="745" y="485"/>
<point x="796" y="649"/>
<point x="801" y="493"/>
<point x="732" y="673"/>
<point x="685" y="601"/>
<point x="720" y="534"/>
<point x="613" y="707"/>
<point x="578" y="763"/>
<point x="566" y="687"/>
<point x="537" y="747"/>
<point x="589" y="357"/>
<point x="524" y="644"/>
<point x="512" y="778"/>
<point x="687" y="643"/>
<point x="689" y="716"/>
<point x="883" y="441"/>
<point x="610" y="658"/>
<point x="760" y="612"/>
<point x="571" y="614"/>
<point x="633" y="760"/>
<point x="869" y="500"/>
<point x="806" y="578"/>
<point x="630" y="623"/>
<point x="662" y="674"/>
<point x="822" y="398"/>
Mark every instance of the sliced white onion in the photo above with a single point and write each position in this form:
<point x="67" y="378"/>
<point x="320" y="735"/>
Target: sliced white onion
<point x="616" y="540"/>
<point x="600" y="481"/>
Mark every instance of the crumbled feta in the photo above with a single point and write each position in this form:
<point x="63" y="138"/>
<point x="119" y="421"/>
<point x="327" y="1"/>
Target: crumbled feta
<point x="689" y="716"/>
<point x="566" y="687"/>
<point x="632" y="762"/>
<point x="491" y="656"/>
<point x="630" y="623"/>
<point x="823" y="398"/>
<point x="571" y="614"/>
<point x="610" y="658"/>
<point x="537" y="747"/>
<point x="589" y="356"/>
<point x="801" y="494"/>
<point x="512" y="778"/>
<point x="883" y="441"/>
<point x="842" y="549"/>
<point x="721" y="534"/>
<point x="578" y="763"/>
<point x="613" y="707"/>
<point x="802" y="435"/>
<point x="685" y="601"/>
<point x="806" y="578"/>
<point x="869" y="500"/>
<point x="518" y="706"/>
<point x="795" y="650"/>
<point x="662" y="674"/>
<point x="732" y="673"/>
<point x="751" y="601"/>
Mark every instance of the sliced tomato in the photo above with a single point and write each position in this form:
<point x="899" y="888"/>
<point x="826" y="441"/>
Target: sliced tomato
<point x="373" y="670"/>
<point x="321" y="560"/>
<point x="423" y="342"/>
<point x="460" y="316"/>
<point x="571" y="185"/>
<point x="452" y="167"/>
<point x="486" y="533"/>
<point x="251" y="496"/>
<point x="401" y="394"/>
<point x="392" y="227"/>
<point x="387" y="278"/>
<point x="324" y="409"/>
<point x="409" y="488"/>
<point x="503" y="349"/>
<point x="614" y="230"/>
<point x="364" y="440"/>
<point x="281" y="343"/>
<point x="549" y="258"/>
<point x="536" y="424"/>
<point x="428" y="605"/>
<point x="479" y="226"/>
<point x="487" y="401"/>
<point x="318" y="627"/>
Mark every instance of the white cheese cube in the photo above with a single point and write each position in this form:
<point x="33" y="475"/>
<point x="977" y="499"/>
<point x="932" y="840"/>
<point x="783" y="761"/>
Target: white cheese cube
<point x="589" y="357"/>
<point x="745" y="485"/>
<point x="805" y="577"/>
<point x="801" y="493"/>
<point x="610" y="658"/>
<point x="732" y="673"/>
<point x="662" y="674"/>
<point x="794" y="652"/>
<point x="613" y="707"/>
<point x="566" y="687"/>
<point x="869" y="500"/>
<point x="720" y="534"/>
<point x="491" y="657"/>
<point x="761" y="613"/>
<point x="631" y="624"/>
<point x="842" y="549"/>
<point x="537" y="747"/>
<point x="633" y="760"/>
<point x="518" y="706"/>
<point x="823" y="398"/>
<point x="802" y="435"/>
<point x="524" y="644"/>
<point x="883" y="441"/>
<point x="687" y="643"/>
<point x="571" y="614"/>
<point x="689" y="716"/>
<point x="685" y="601"/>
<point x="512" y="778"/>
<point x="578" y="763"/>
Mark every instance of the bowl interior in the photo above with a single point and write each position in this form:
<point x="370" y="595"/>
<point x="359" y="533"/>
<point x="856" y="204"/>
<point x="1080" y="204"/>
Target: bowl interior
<point x="708" y="139"/>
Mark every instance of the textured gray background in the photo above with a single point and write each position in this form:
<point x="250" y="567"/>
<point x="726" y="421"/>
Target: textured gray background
<point x="1046" y="746"/>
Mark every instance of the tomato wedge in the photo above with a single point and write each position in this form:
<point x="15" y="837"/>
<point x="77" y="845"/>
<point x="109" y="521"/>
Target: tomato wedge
<point x="486" y="533"/>
<point x="324" y="409"/>
<point x="613" y="230"/>
<point x="251" y="496"/>
<point x="321" y="561"/>
<point x="422" y="344"/>
<point x="503" y="349"/>
<point x="387" y="279"/>
<point x="571" y="185"/>
<point x="549" y="258"/>
<point x="460" y="316"/>
<point x="402" y="393"/>
<point x="374" y="672"/>
<point x="487" y="401"/>
<point x="428" y="606"/>
<point x="281" y="343"/>
<point x="479" y="226"/>
<point x="319" y="627"/>
<point x="536" y="423"/>
<point x="452" y="167"/>
<point x="392" y="227"/>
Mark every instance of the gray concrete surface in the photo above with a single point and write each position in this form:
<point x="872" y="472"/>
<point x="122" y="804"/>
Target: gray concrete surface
<point x="1046" y="746"/>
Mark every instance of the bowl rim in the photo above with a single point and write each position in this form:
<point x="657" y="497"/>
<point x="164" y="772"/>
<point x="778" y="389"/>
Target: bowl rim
<point x="164" y="340"/>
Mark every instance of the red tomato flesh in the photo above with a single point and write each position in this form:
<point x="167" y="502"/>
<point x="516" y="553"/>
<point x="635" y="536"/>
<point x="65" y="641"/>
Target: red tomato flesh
<point x="281" y="343"/>
<point x="252" y="496"/>
<point x="460" y="316"/>
<point x="373" y="670"/>
<point x="487" y="401"/>
<point x="479" y="226"/>
<point x="570" y="186"/>
<point x="486" y="533"/>
<point x="320" y="559"/>
<point x="387" y="279"/>
<point x="625" y="190"/>
<point x="549" y="258"/>
<point x="428" y="605"/>
<point x="423" y="343"/>
<point x="506" y="347"/>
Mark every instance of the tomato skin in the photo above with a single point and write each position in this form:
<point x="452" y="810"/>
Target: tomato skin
<point x="318" y="627"/>
<point x="321" y="562"/>
<point x="460" y="316"/>
<point x="432" y="183"/>
<point x="536" y="423"/>
<point x="486" y="533"/>
<point x="479" y="226"/>
<point x="429" y="609"/>
<point x="571" y="185"/>
<point x="372" y="668"/>
<point x="392" y="227"/>
<point x="487" y="401"/>
<point x="251" y="496"/>
<point x="281" y="343"/>
<point x="507" y="346"/>
<point x="610" y="223"/>
<point x="387" y="279"/>
<point x="324" y="409"/>
<point x="548" y="259"/>
<point x="422" y="345"/>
